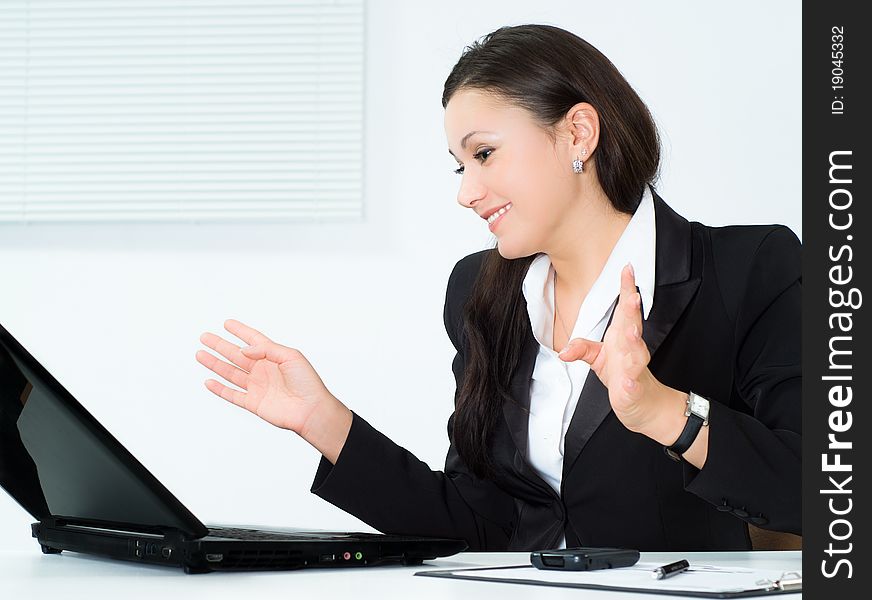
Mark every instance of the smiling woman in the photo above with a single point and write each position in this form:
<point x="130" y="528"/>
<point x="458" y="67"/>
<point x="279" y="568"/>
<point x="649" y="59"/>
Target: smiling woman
<point x="669" y="419"/>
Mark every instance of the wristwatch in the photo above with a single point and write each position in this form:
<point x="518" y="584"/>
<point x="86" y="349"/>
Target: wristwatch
<point x="697" y="413"/>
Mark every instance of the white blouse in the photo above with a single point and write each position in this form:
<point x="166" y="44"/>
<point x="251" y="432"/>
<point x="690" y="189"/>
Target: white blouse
<point x="556" y="385"/>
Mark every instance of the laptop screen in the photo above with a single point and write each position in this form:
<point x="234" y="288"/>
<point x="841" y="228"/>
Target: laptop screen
<point x="57" y="460"/>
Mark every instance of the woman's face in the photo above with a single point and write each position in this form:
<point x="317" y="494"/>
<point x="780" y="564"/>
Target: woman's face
<point x="511" y="161"/>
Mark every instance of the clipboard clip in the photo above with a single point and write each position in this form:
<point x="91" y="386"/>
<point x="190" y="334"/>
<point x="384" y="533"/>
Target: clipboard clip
<point x="789" y="581"/>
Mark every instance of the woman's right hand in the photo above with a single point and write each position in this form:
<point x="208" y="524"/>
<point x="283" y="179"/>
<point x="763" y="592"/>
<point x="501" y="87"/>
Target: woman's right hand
<point x="280" y="386"/>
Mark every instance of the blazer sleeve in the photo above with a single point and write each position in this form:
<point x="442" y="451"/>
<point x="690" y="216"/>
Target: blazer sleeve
<point x="388" y="488"/>
<point x="753" y="467"/>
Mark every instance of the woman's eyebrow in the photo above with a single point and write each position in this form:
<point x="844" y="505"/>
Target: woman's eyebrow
<point x="464" y="140"/>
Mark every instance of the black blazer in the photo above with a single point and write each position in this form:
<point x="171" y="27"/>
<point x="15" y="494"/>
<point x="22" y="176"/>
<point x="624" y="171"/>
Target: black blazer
<point x="725" y="323"/>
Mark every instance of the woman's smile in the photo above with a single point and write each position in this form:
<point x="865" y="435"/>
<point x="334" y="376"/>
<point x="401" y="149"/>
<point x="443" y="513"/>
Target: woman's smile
<point x="495" y="218"/>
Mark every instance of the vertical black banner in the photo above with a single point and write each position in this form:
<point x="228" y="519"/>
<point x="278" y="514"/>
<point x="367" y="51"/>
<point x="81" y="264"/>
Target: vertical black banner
<point x="837" y="421"/>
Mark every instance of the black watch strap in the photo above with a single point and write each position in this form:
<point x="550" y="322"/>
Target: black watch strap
<point x="686" y="439"/>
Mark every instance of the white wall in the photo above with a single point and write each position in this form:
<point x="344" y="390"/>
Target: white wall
<point x="115" y="311"/>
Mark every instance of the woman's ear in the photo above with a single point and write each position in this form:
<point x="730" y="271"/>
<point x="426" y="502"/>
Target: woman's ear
<point x="583" y="127"/>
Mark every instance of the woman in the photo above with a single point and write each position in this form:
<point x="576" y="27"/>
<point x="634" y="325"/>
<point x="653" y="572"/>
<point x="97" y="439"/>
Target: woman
<point x="687" y="429"/>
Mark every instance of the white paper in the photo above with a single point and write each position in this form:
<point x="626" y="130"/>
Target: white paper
<point x="698" y="578"/>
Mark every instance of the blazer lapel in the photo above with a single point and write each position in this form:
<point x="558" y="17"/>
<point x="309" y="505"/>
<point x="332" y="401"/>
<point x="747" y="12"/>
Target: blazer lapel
<point x="592" y="408"/>
<point x="517" y="413"/>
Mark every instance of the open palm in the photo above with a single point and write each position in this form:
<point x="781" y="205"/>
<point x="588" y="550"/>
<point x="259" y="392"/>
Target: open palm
<point x="278" y="383"/>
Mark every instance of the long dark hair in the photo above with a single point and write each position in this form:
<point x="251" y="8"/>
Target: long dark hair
<point x="545" y="70"/>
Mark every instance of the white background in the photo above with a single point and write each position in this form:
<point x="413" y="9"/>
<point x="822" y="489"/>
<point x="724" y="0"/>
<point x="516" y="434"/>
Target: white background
<point x="115" y="311"/>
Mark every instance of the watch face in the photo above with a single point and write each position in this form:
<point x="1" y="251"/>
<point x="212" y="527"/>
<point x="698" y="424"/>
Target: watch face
<point x="699" y="406"/>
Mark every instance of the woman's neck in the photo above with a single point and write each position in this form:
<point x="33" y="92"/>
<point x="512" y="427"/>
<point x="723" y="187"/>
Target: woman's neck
<point x="584" y="243"/>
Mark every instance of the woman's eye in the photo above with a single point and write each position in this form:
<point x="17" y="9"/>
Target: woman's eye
<point x="479" y="155"/>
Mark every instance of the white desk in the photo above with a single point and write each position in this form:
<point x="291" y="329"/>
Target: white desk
<point x="32" y="575"/>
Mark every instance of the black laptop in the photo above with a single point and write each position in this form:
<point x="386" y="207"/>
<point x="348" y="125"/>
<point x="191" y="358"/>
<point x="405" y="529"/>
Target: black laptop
<point x="91" y="495"/>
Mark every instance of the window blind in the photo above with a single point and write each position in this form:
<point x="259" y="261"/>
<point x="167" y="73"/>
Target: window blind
<point x="181" y="110"/>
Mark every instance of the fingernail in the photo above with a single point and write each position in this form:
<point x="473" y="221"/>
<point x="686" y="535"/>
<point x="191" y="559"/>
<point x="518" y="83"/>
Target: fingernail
<point x="629" y="383"/>
<point x="632" y="272"/>
<point x="564" y="350"/>
<point x="636" y="331"/>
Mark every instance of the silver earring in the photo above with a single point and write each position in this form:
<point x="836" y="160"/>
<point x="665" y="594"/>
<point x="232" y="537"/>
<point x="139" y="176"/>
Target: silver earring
<point x="577" y="164"/>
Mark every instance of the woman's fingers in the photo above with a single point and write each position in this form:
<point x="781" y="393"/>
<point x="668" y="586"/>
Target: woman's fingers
<point x="630" y="300"/>
<point x="634" y="362"/>
<point x="231" y="373"/>
<point x="229" y="394"/>
<point x="581" y="349"/>
<point x="245" y="333"/>
<point x="635" y="359"/>
<point x="627" y="313"/>
<point x="271" y="351"/>
<point x="229" y="351"/>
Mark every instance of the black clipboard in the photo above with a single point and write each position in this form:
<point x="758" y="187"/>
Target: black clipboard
<point x="784" y="585"/>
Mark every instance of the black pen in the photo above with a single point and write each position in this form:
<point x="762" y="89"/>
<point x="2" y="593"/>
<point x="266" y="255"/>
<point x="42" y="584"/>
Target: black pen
<point x="670" y="569"/>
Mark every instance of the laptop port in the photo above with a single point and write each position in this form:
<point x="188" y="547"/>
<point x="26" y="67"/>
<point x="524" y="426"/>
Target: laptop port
<point x="166" y="551"/>
<point x="214" y="557"/>
<point x="327" y="558"/>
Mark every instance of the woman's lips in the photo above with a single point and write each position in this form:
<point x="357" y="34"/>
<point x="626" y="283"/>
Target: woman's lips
<point x="492" y="226"/>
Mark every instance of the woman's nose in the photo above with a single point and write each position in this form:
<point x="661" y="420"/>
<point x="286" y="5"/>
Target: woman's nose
<point x="471" y="191"/>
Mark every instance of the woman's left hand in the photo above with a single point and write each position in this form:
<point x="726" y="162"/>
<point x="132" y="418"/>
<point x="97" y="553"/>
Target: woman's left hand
<point x="621" y="363"/>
